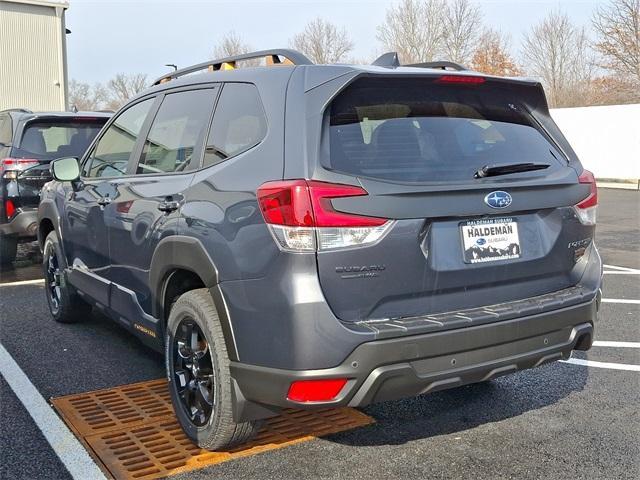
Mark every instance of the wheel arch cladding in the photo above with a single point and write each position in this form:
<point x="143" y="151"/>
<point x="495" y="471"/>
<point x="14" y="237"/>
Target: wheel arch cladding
<point x="179" y="253"/>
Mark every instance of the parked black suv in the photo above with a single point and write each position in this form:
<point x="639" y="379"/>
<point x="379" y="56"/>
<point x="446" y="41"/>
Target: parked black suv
<point x="28" y="143"/>
<point x="322" y="235"/>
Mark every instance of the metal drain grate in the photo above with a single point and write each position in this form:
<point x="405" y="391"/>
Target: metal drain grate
<point x="132" y="431"/>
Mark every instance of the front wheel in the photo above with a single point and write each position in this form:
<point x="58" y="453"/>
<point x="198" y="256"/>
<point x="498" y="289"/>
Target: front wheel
<point x="64" y="303"/>
<point x="199" y="376"/>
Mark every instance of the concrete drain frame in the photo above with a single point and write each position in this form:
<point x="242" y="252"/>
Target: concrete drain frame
<point x="132" y="433"/>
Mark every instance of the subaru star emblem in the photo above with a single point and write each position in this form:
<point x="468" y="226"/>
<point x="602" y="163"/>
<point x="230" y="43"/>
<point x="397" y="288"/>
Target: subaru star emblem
<point x="498" y="199"/>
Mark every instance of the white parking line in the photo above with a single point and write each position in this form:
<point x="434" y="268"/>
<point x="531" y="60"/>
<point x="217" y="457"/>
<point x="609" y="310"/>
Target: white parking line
<point x="620" y="300"/>
<point x="625" y="269"/>
<point x="62" y="441"/>
<point x="612" y="366"/>
<point x="22" y="282"/>
<point x="620" y="272"/>
<point x="599" y="343"/>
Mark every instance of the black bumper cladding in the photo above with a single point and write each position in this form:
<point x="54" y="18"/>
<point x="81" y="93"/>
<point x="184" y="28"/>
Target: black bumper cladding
<point x="412" y="365"/>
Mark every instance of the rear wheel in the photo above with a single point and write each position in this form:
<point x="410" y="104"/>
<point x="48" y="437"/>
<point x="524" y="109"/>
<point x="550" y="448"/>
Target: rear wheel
<point x="64" y="303"/>
<point x="199" y="376"/>
<point x="8" y="249"/>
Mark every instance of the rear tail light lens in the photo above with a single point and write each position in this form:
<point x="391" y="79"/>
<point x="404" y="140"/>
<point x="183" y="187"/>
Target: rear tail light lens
<point x="9" y="208"/>
<point x="586" y="209"/>
<point x="316" y="390"/>
<point x="16" y="164"/>
<point x="301" y="216"/>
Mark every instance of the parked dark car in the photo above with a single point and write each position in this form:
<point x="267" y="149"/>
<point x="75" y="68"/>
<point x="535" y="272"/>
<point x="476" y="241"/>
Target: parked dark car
<point x="325" y="235"/>
<point x="28" y="143"/>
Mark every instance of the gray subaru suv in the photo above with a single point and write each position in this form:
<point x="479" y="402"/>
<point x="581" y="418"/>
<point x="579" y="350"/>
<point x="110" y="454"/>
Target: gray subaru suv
<point x="325" y="235"/>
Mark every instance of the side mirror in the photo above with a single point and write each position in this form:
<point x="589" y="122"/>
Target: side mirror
<point x="65" y="169"/>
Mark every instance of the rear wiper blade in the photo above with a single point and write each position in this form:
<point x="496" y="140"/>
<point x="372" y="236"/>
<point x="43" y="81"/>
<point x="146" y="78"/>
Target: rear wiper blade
<point x="494" y="170"/>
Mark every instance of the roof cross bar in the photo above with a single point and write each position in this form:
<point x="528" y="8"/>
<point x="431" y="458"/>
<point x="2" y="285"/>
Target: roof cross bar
<point x="292" y="57"/>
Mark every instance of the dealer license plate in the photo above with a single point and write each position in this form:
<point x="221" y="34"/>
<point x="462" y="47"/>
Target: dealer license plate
<point x="490" y="240"/>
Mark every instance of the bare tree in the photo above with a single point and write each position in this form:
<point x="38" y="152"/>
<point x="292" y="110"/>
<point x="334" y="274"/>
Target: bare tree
<point x="558" y="52"/>
<point x="85" y="97"/>
<point x="122" y="87"/>
<point x="323" y="42"/>
<point x="617" y="27"/>
<point x="492" y="55"/>
<point x="229" y="45"/>
<point x="462" y="22"/>
<point x="414" y="29"/>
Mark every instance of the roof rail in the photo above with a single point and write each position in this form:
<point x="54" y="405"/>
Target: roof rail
<point x="442" y="64"/>
<point x="292" y="57"/>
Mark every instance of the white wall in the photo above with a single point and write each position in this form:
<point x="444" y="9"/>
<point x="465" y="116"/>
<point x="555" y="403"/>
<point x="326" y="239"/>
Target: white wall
<point x="606" y="139"/>
<point x="32" y="55"/>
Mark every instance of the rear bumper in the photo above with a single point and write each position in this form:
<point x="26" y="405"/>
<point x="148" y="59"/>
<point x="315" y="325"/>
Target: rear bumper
<point x="412" y="365"/>
<point x="24" y="224"/>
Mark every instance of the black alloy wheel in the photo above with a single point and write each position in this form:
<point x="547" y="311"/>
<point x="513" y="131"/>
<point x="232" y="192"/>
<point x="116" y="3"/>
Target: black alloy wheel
<point x="193" y="372"/>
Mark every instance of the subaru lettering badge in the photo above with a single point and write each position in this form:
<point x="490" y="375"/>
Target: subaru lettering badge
<point x="498" y="199"/>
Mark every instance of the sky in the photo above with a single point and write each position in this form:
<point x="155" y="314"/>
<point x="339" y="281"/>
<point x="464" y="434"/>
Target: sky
<point x="141" y="36"/>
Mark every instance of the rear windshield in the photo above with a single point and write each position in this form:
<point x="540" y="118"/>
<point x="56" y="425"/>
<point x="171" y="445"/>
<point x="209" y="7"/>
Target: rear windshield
<point x="415" y="130"/>
<point x="50" y="139"/>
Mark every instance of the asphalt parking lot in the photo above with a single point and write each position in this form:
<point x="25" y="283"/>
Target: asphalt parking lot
<point x="563" y="420"/>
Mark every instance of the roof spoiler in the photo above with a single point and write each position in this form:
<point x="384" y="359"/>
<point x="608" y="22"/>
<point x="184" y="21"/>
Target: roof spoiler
<point x="391" y="60"/>
<point x="291" y="57"/>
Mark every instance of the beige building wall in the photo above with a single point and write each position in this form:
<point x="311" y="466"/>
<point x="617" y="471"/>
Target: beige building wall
<point x="33" y="54"/>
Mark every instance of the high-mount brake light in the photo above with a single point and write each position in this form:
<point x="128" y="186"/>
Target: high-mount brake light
<point x="587" y="208"/>
<point x="461" y="79"/>
<point x="301" y="217"/>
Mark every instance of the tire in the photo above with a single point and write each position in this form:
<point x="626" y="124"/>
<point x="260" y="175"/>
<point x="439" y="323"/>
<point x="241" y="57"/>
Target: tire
<point x="202" y="397"/>
<point x="65" y="305"/>
<point x="8" y="249"/>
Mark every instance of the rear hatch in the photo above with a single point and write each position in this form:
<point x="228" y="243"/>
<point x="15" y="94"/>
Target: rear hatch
<point x="461" y="230"/>
<point x="44" y="139"/>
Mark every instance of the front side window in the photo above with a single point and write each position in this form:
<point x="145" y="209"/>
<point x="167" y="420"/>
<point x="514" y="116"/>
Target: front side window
<point x="177" y="132"/>
<point x="239" y="123"/>
<point x="111" y="155"/>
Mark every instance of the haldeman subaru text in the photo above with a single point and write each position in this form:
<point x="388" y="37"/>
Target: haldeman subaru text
<point x="323" y="235"/>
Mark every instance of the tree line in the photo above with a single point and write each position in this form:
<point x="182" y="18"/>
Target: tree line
<point x="578" y="66"/>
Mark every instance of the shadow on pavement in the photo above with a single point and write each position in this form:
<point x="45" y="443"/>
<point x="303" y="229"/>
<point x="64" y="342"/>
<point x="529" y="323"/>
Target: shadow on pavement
<point x="466" y="407"/>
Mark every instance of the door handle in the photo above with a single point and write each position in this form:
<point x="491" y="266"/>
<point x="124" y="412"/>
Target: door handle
<point x="168" y="206"/>
<point x="104" y="201"/>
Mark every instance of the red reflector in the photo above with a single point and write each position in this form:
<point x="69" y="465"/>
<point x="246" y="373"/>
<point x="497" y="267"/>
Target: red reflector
<point x="316" y="390"/>
<point x="466" y="79"/>
<point x="9" y="208"/>
<point x="124" y="207"/>
<point x="301" y="203"/>
<point x="592" y="199"/>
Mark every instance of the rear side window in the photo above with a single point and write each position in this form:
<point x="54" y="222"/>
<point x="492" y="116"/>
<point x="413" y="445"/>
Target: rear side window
<point x="239" y="123"/>
<point x="59" y="138"/>
<point x="174" y="143"/>
<point x="110" y="156"/>
<point x="415" y="130"/>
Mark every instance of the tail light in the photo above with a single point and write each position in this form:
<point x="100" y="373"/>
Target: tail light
<point x="19" y="164"/>
<point x="301" y="217"/>
<point x="9" y="208"/>
<point x="323" y="390"/>
<point x="586" y="209"/>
